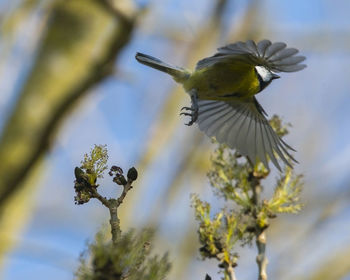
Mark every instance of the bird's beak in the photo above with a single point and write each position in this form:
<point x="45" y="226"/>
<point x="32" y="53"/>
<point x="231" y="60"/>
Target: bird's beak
<point x="274" y="76"/>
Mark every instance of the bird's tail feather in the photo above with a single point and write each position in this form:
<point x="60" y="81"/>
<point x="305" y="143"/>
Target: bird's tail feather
<point x="178" y="73"/>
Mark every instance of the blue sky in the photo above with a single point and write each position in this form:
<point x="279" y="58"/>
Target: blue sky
<point x="122" y="113"/>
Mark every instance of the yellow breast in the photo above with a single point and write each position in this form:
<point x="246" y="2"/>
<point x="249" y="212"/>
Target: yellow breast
<point x="224" y="81"/>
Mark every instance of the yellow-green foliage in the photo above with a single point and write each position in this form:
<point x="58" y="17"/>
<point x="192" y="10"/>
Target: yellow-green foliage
<point x="128" y="259"/>
<point x="95" y="163"/>
<point x="229" y="177"/>
<point x="285" y="199"/>
<point x="277" y="125"/>
<point x="238" y="182"/>
<point x="92" y="167"/>
<point x="219" y="234"/>
<point x="287" y="194"/>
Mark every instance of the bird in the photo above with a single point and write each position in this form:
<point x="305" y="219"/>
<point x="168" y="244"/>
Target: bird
<point x="223" y="90"/>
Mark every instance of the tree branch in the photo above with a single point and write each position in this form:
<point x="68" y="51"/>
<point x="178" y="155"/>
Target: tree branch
<point x="113" y="204"/>
<point x="126" y="188"/>
<point x="260" y="234"/>
<point x="261" y="257"/>
<point x="102" y="199"/>
<point x="231" y="272"/>
<point x="114" y="221"/>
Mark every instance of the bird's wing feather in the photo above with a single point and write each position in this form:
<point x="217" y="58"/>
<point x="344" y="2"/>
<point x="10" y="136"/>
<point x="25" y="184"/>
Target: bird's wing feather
<point x="243" y="126"/>
<point x="275" y="56"/>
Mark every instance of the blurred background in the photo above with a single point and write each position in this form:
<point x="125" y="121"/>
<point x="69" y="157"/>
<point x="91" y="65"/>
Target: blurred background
<point x="69" y="80"/>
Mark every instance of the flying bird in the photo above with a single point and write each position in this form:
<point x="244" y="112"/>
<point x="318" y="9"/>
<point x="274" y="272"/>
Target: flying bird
<point x="222" y="89"/>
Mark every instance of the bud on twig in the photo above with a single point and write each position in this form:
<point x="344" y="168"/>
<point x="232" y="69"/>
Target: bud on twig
<point x="132" y="174"/>
<point x="120" y="180"/>
<point x="117" y="169"/>
<point x="79" y="174"/>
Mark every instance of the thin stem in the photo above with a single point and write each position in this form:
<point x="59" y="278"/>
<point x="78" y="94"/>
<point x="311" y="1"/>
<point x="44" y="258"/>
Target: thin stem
<point x="113" y="204"/>
<point x="102" y="199"/>
<point x="114" y="221"/>
<point x="256" y="193"/>
<point x="260" y="234"/>
<point x="261" y="257"/>
<point x="126" y="188"/>
<point x="113" y="210"/>
<point x="231" y="272"/>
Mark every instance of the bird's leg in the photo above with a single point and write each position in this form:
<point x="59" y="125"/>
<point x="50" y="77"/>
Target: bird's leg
<point x="193" y="110"/>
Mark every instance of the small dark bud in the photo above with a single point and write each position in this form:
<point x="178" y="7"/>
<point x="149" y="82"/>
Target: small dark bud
<point x="218" y="244"/>
<point x="120" y="180"/>
<point x="222" y="265"/>
<point x="207" y="277"/>
<point x="114" y="168"/>
<point x="204" y="250"/>
<point x="246" y="211"/>
<point x="265" y="227"/>
<point x="79" y="174"/>
<point x="132" y="174"/>
<point x="110" y="173"/>
<point x="238" y="155"/>
<point x="250" y="229"/>
<point x="147" y="246"/>
<point x="117" y="169"/>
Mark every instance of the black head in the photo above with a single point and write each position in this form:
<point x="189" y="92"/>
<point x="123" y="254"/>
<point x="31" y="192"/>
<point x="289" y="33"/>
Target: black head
<point x="265" y="76"/>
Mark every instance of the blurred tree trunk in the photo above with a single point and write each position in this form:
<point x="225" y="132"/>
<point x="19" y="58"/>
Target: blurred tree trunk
<point x="78" y="50"/>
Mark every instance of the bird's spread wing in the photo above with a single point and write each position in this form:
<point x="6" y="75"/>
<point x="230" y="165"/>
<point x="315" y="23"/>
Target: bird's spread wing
<point x="243" y="126"/>
<point x="275" y="56"/>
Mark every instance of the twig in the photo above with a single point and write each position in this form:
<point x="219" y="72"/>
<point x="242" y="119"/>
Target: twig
<point x="231" y="272"/>
<point x="114" y="221"/>
<point x="228" y="266"/>
<point x="112" y="205"/>
<point x="260" y="234"/>
<point x="126" y="188"/>
<point x="96" y="195"/>
<point x="261" y="257"/>
<point x="113" y="210"/>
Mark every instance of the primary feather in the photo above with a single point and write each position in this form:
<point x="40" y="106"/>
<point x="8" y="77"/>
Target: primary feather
<point x="271" y="55"/>
<point x="243" y="126"/>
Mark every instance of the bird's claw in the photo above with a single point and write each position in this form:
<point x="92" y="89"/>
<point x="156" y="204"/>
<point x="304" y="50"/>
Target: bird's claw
<point x="187" y="108"/>
<point x="193" y="114"/>
<point x="193" y="110"/>
<point x="185" y="114"/>
<point x="190" y="123"/>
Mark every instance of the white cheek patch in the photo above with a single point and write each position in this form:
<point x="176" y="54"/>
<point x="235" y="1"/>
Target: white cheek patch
<point x="265" y="74"/>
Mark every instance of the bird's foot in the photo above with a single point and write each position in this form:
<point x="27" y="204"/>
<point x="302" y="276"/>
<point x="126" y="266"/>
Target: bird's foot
<point x="191" y="111"/>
